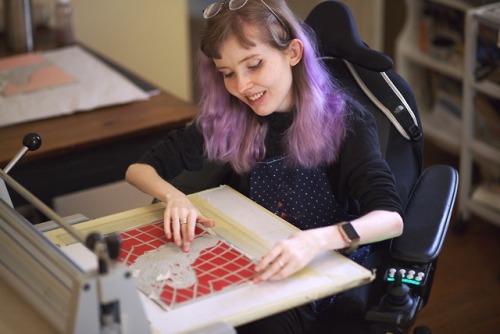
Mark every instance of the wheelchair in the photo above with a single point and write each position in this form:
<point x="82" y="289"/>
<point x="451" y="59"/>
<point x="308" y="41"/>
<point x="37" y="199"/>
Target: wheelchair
<point x="391" y="303"/>
<point x="404" y="266"/>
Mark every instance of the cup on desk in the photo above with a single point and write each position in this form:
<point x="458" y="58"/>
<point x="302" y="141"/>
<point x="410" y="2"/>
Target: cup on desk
<point x="18" y="18"/>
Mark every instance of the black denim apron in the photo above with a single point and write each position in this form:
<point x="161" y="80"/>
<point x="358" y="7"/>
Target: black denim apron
<point x="301" y="196"/>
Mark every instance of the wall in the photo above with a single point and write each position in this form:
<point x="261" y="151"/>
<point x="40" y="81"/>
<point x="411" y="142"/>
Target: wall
<point x="150" y="37"/>
<point x="157" y="38"/>
<point x="396" y="11"/>
<point x="369" y="17"/>
<point x="368" y="14"/>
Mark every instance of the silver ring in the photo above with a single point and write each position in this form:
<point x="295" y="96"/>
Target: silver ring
<point x="184" y="221"/>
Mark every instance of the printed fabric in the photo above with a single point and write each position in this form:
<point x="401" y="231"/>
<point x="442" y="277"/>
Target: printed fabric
<point x="302" y="197"/>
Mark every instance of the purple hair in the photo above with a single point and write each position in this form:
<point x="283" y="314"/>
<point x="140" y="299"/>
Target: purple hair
<point x="233" y="132"/>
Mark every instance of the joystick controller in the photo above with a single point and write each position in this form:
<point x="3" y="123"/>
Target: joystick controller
<point x="397" y="297"/>
<point x="397" y="309"/>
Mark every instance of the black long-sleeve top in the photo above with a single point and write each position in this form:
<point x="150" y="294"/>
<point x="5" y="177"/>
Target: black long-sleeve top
<point x="360" y="178"/>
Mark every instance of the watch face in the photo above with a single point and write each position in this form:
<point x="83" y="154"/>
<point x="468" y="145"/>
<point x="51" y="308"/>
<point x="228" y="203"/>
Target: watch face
<point x="350" y="231"/>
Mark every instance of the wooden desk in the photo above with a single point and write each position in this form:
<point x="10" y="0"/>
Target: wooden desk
<point x="21" y="316"/>
<point x="91" y="148"/>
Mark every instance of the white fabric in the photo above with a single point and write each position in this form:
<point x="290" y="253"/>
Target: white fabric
<point x="96" y="85"/>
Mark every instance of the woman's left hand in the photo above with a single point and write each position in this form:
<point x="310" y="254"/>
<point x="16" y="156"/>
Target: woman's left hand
<point x="288" y="256"/>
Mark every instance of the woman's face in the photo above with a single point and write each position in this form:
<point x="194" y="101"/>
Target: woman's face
<point x="260" y="76"/>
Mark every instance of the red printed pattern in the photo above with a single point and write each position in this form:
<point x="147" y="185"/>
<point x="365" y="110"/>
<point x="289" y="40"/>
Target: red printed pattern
<point x="216" y="268"/>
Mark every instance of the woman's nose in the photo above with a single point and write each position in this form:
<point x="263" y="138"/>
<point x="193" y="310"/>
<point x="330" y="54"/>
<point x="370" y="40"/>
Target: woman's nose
<point x="244" y="83"/>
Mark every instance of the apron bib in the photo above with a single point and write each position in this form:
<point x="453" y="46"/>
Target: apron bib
<point x="303" y="197"/>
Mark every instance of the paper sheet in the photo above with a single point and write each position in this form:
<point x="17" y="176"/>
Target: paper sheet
<point x="96" y="85"/>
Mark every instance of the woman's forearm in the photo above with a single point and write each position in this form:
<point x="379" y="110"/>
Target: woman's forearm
<point x="372" y="227"/>
<point x="146" y="179"/>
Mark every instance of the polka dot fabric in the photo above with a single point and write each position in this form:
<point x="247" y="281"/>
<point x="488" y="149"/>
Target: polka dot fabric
<point x="302" y="197"/>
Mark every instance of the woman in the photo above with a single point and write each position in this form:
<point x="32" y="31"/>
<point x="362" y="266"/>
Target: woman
<point x="295" y="142"/>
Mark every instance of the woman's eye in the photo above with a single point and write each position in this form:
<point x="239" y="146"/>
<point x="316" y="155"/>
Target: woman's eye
<point x="227" y="75"/>
<point x="256" y="65"/>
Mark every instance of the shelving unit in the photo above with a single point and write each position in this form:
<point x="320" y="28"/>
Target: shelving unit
<point x="436" y="53"/>
<point x="415" y="64"/>
<point x="474" y="198"/>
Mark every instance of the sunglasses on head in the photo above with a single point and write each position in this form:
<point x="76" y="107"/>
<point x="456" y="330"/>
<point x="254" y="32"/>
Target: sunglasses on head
<point x="215" y="8"/>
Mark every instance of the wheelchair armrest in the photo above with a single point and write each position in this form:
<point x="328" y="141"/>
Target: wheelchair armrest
<point x="427" y="216"/>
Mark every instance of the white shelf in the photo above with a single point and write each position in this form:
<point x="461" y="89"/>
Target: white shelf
<point x="489" y="15"/>
<point x="487" y="195"/>
<point x="443" y="129"/>
<point x="413" y="53"/>
<point x="454" y="134"/>
<point x="483" y="211"/>
<point x="455" y="4"/>
<point x="482" y="201"/>
<point x="488" y="88"/>
<point x="483" y="150"/>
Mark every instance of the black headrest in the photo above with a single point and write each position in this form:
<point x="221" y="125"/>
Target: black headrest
<point x="337" y="36"/>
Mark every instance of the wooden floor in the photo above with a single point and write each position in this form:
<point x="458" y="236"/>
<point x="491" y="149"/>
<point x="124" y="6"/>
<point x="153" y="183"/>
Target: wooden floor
<point x="465" y="297"/>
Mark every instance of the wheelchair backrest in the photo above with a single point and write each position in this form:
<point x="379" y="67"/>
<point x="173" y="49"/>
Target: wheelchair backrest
<point x="368" y="76"/>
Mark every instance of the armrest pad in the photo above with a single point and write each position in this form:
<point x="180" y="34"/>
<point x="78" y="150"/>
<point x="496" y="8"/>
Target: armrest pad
<point x="427" y="216"/>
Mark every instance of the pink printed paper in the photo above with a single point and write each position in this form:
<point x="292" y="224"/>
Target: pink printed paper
<point x="30" y="72"/>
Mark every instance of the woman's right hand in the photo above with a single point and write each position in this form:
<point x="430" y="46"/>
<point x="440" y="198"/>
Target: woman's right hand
<point x="180" y="216"/>
<point x="180" y="219"/>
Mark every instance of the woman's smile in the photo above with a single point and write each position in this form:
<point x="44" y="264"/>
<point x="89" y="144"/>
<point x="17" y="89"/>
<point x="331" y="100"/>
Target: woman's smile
<point x="255" y="97"/>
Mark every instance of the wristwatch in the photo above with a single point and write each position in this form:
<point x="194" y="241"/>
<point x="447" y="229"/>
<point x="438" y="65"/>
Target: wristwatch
<point x="350" y="236"/>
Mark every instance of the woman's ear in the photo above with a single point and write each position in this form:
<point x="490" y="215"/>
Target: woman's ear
<point x="295" y="51"/>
